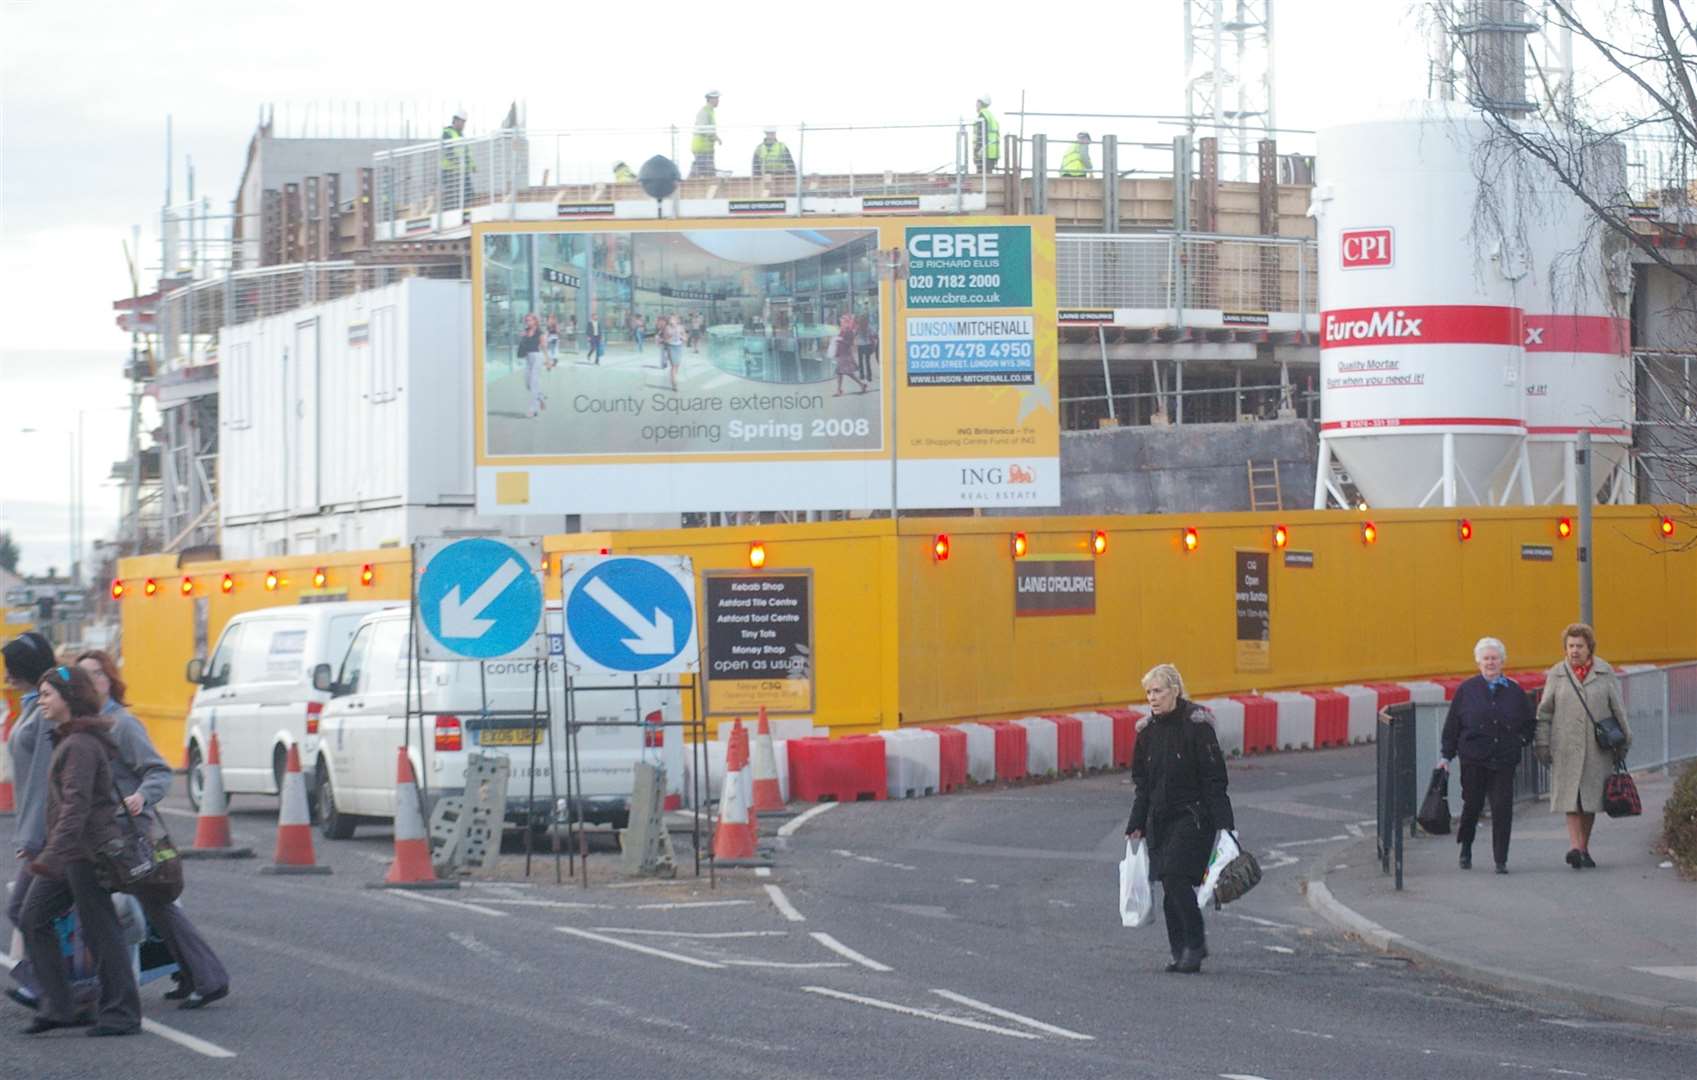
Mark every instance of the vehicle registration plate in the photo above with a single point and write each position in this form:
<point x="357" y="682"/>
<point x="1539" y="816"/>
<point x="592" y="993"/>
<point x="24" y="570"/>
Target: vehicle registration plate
<point x="516" y="736"/>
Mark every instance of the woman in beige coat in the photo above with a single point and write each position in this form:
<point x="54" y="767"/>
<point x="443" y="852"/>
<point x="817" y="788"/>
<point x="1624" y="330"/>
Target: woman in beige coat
<point x="1565" y="742"/>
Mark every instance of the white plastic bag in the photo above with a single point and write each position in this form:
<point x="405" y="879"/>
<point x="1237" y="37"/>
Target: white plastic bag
<point x="1136" y="900"/>
<point x="1225" y="850"/>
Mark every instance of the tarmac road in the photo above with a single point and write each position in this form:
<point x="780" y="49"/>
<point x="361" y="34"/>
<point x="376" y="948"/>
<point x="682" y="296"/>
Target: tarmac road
<point x="973" y="935"/>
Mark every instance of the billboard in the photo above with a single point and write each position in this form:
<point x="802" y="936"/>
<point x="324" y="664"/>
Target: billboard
<point x="677" y="366"/>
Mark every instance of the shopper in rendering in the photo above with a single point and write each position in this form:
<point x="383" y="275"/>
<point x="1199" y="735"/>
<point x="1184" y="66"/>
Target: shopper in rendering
<point x="672" y="347"/>
<point x="553" y="341"/>
<point x="706" y="138"/>
<point x="530" y="349"/>
<point x="1579" y="690"/>
<point x="28" y="657"/>
<point x="637" y="328"/>
<point x="1180" y="780"/>
<point x="1489" y="724"/>
<point x="596" y="343"/>
<point x="865" y="345"/>
<point x="82" y="817"/>
<point x="842" y="352"/>
<point x="771" y="157"/>
<point x="143" y="778"/>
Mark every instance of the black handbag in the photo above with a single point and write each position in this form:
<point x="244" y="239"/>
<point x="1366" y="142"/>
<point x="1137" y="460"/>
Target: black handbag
<point x="1239" y="876"/>
<point x="1620" y="793"/>
<point x="1434" y="815"/>
<point x="1608" y="732"/>
<point x="132" y="860"/>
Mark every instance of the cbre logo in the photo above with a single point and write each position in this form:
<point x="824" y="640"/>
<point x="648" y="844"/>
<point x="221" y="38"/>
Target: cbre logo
<point x="1363" y="248"/>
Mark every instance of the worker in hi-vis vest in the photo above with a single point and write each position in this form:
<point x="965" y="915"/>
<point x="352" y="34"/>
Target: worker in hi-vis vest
<point x="457" y="165"/>
<point x="1077" y="159"/>
<point x="986" y="137"/>
<point x="772" y="158"/>
<point x="706" y="137"/>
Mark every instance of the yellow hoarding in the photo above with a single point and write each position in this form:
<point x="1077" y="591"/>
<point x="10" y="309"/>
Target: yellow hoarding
<point x="666" y="366"/>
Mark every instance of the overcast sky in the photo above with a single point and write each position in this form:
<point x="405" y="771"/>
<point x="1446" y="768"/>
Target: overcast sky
<point x="87" y="86"/>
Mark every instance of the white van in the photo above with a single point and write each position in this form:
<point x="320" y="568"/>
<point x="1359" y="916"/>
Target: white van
<point x="460" y="707"/>
<point x="257" y="690"/>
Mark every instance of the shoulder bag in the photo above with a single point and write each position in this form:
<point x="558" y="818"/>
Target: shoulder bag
<point x="1610" y="738"/>
<point x="132" y="861"/>
<point x="1620" y="793"/>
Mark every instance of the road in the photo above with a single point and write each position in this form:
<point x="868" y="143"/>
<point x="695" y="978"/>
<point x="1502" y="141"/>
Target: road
<point x="973" y="935"/>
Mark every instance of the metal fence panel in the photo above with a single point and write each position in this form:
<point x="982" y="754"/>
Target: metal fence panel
<point x="1114" y="272"/>
<point x="1682" y="712"/>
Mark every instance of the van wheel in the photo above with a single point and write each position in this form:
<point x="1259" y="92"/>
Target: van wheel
<point x="196" y="777"/>
<point x="334" y="824"/>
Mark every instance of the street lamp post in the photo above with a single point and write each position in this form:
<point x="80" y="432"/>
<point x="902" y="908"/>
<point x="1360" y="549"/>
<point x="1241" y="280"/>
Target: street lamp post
<point x="73" y="447"/>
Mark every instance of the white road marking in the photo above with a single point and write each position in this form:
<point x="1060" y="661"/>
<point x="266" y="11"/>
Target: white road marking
<point x="1279" y="949"/>
<point x="1688" y="972"/>
<point x="471" y="944"/>
<point x="843" y="950"/>
<point x="1354" y="830"/>
<point x="1315" y="840"/>
<point x="199" y="1046"/>
<point x="565" y="904"/>
<point x="967" y="880"/>
<point x="643" y="884"/>
<point x="923" y="1014"/>
<point x="634" y="947"/>
<point x="1261" y="922"/>
<point x="782" y="903"/>
<point x="962" y="999"/>
<point x="692" y="933"/>
<point x="1241" y="1076"/>
<point x="401" y="894"/>
<point x="870" y="859"/>
<point x="177" y="811"/>
<point x="692" y="904"/>
<point x="1310" y="1034"/>
<point x="762" y="871"/>
<point x="789" y="827"/>
<point x="788" y="964"/>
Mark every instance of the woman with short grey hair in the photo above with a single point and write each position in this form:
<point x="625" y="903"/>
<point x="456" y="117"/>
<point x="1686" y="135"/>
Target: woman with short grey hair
<point x="1489" y="724"/>
<point x="1579" y="692"/>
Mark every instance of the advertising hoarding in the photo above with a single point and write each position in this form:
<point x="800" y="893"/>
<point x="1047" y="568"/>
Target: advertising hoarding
<point x="637" y="367"/>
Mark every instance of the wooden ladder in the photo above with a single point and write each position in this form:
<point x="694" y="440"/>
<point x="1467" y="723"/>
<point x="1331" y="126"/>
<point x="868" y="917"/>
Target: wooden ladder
<point x="1264" y="490"/>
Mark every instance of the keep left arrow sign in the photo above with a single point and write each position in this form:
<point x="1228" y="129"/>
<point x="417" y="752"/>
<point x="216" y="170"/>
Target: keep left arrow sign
<point x="652" y="638"/>
<point x="463" y="619"/>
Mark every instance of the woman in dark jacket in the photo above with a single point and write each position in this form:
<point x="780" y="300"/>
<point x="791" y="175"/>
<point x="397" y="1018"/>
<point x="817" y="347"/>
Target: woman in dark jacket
<point x="82" y="809"/>
<point x="1489" y="723"/>
<point x="1180" y="776"/>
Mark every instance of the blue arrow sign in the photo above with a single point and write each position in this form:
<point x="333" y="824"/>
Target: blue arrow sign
<point x="631" y="615"/>
<point x="480" y="599"/>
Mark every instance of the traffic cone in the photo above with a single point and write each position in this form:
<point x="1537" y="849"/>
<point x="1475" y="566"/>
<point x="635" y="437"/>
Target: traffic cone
<point x="411" y="868"/>
<point x="733" y="839"/>
<point x="212" y="827"/>
<point x="768" y="797"/>
<point x="294" y="825"/>
<point x="8" y="800"/>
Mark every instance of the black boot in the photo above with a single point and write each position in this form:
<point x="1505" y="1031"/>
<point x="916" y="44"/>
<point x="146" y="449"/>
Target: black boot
<point x="1467" y="856"/>
<point x="1191" y="962"/>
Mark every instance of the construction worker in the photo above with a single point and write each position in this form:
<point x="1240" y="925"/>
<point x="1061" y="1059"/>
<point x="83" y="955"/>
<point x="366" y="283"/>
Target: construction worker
<point x="622" y="173"/>
<point x="986" y="137"/>
<point x="457" y="165"/>
<point x="1077" y="159"/>
<point x="772" y="158"/>
<point x="706" y="137"/>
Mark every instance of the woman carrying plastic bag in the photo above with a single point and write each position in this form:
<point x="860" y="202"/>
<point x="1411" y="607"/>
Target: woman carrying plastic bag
<point x="1136" y="899"/>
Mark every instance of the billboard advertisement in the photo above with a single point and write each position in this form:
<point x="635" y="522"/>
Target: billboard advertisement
<point x="678" y="366"/>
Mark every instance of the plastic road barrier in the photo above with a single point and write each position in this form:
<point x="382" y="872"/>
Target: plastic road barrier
<point x="911" y="762"/>
<point x="1011" y="750"/>
<point x="1296" y="720"/>
<point x="1229" y="723"/>
<point x="849" y="769"/>
<point x="1069" y="742"/>
<point x="1098" y="739"/>
<point x="1363" y="712"/>
<point x="1260" y="723"/>
<point x="1042" y="748"/>
<point x="980" y="752"/>
<point x="951" y="758"/>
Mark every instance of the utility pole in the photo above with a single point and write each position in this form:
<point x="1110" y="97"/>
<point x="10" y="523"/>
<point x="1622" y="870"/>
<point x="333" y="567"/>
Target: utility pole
<point x="1582" y="459"/>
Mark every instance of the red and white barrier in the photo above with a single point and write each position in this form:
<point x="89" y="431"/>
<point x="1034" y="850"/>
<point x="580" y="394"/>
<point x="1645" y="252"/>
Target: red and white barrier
<point x="1228" y="723"/>
<point x="1295" y="724"/>
<point x="1363" y="712"/>
<point x="911" y="763"/>
<point x="837" y="770"/>
<point x="1042" y="749"/>
<point x="1098" y="739"/>
<point x="1425" y="692"/>
<point x="951" y="757"/>
<point x="980" y="752"/>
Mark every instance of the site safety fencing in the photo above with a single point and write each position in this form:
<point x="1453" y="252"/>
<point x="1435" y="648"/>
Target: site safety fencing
<point x="1179" y="272"/>
<point x="190" y="317"/>
<point x="1661" y="713"/>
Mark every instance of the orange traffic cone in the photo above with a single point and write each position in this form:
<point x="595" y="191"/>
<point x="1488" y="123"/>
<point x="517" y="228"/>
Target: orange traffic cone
<point x="8" y="801"/>
<point x="768" y="797"/>
<point x="212" y="827"/>
<point x="411" y="868"/>
<point x="733" y="839"/>
<point x="294" y="826"/>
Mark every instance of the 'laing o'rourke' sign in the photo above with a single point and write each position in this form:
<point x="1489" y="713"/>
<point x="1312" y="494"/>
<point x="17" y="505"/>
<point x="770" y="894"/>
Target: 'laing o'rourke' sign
<point x="1063" y="585"/>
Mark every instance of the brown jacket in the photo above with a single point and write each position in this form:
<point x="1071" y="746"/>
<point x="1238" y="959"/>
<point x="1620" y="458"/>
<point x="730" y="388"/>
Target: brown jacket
<point x="82" y="806"/>
<point x="1578" y="767"/>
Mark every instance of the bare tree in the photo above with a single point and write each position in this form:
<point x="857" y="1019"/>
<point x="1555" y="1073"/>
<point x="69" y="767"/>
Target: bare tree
<point x="1624" y="144"/>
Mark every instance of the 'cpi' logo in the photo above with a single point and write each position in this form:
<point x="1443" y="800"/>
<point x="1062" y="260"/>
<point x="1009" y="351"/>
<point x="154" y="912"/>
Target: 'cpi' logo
<point x="1366" y="247"/>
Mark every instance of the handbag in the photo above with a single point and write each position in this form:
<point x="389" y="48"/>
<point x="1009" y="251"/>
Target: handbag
<point x="1434" y="815"/>
<point x="1620" y="793"/>
<point x="1609" y="735"/>
<point x="1240" y="875"/>
<point x="132" y="860"/>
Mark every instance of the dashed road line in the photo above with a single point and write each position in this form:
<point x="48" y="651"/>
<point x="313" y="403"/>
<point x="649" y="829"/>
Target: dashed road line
<point x="762" y="871"/>
<point x="843" y="950"/>
<point x="565" y="905"/>
<point x="184" y="1039"/>
<point x="634" y="947"/>
<point x="923" y="1014"/>
<point x="703" y="934"/>
<point x="789" y="827"/>
<point x="461" y="904"/>
<point x="1005" y="1014"/>
<point x="787" y="963"/>
<point x="689" y="904"/>
<point x="871" y="859"/>
<point x="1261" y="922"/>
<point x="782" y="903"/>
<point x="1280" y="949"/>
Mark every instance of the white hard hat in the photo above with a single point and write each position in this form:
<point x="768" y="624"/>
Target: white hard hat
<point x="983" y="99"/>
<point x="770" y="129"/>
<point x="459" y="114"/>
<point x="712" y="93"/>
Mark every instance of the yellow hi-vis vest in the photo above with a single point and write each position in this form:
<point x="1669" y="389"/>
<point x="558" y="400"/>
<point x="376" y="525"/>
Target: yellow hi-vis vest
<point x="992" y="134"/>
<point x="773" y="159"/>
<point x="1077" y="160"/>
<point x="454" y="157"/>
<point x="706" y="123"/>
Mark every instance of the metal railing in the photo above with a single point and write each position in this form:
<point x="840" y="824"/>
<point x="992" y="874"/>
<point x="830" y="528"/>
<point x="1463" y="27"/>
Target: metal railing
<point x="1178" y="272"/>
<point x="191" y="317"/>
<point x="1661" y="713"/>
<point x="446" y="177"/>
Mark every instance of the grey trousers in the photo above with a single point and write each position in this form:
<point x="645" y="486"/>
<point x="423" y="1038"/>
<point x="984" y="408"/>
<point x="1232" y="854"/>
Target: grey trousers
<point x="201" y="967"/>
<point x="120" y="999"/>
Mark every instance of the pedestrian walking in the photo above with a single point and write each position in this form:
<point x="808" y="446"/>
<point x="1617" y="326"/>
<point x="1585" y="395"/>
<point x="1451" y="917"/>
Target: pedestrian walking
<point x="596" y="345"/>
<point x="636" y="329"/>
<point x="842" y="352"/>
<point x="82" y="818"/>
<point x="28" y="657"/>
<point x="1579" y="693"/>
<point x="1180" y="803"/>
<point x="530" y="348"/>
<point x="865" y="345"/>
<point x="553" y="341"/>
<point x="672" y="347"/>
<point x="1489" y="723"/>
<point x="143" y="778"/>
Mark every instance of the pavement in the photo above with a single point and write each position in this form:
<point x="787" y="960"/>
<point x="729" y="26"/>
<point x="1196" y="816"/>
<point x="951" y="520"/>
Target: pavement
<point x="1619" y="940"/>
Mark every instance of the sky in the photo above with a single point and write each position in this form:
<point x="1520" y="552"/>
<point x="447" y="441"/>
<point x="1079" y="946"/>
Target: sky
<point x="85" y="89"/>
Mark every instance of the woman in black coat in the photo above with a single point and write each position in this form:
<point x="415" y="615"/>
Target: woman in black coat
<point x="1490" y="722"/>
<point x="1181" y="801"/>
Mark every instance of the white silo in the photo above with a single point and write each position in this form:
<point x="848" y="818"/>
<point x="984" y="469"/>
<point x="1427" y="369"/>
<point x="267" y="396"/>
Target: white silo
<point x="1420" y="335"/>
